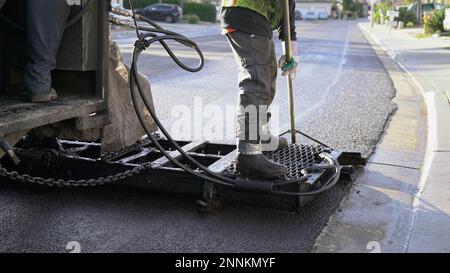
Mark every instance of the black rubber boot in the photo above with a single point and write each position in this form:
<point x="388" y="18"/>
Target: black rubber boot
<point x="268" y="137"/>
<point x="267" y="147"/>
<point x="259" y="165"/>
<point x="282" y="142"/>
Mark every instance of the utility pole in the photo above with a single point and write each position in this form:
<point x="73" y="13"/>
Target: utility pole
<point x="419" y="12"/>
<point x="372" y="11"/>
<point x="339" y="9"/>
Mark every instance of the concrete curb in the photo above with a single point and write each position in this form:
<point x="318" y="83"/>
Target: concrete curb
<point x="431" y="186"/>
<point x="438" y="111"/>
<point x="379" y="214"/>
<point x="426" y="224"/>
<point x="431" y="203"/>
<point x="435" y="108"/>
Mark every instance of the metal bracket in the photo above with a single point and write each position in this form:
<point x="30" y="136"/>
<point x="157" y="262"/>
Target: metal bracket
<point x="9" y="151"/>
<point x="351" y="159"/>
<point x="209" y="201"/>
<point x="95" y="121"/>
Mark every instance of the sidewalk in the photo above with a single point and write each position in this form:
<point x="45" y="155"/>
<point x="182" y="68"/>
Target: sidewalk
<point x="402" y="202"/>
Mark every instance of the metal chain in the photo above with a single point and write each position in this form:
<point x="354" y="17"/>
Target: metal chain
<point x="71" y="182"/>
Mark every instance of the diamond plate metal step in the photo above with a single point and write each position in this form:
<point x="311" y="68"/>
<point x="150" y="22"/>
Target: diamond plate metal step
<point x="295" y="157"/>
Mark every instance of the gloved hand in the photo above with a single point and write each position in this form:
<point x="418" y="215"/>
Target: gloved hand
<point x="290" y="67"/>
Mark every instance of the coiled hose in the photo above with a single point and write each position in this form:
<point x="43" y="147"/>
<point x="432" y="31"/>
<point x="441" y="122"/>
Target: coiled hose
<point x="143" y="42"/>
<point x="154" y="35"/>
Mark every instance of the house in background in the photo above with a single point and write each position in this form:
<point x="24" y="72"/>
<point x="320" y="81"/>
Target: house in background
<point x="315" y="6"/>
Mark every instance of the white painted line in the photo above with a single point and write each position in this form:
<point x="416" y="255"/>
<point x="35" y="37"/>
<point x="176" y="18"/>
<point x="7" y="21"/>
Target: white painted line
<point x="336" y="78"/>
<point x="429" y="98"/>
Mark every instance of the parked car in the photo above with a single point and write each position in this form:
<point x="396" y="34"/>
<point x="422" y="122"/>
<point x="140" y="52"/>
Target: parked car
<point x="323" y="16"/>
<point x="162" y="12"/>
<point x="310" y="15"/>
<point x="298" y="15"/>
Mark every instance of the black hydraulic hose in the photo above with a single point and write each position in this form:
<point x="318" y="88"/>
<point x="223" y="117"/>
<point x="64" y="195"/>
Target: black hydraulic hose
<point x="185" y="41"/>
<point x="69" y="23"/>
<point x="133" y="15"/>
<point x="157" y="29"/>
<point x="290" y="182"/>
<point x="140" y="45"/>
<point x="136" y="54"/>
<point x="324" y="188"/>
<point x="164" y="131"/>
<point x="182" y="40"/>
<point x="135" y="80"/>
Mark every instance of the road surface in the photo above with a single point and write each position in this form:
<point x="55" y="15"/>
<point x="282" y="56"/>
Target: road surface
<point x="343" y="97"/>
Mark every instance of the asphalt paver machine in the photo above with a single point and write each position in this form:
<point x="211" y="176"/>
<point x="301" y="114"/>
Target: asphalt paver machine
<point x="156" y="162"/>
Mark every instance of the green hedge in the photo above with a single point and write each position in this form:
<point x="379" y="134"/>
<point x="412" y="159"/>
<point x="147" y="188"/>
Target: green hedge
<point x="206" y="12"/>
<point x="405" y="16"/>
<point x="191" y="18"/>
<point x="435" y="21"/>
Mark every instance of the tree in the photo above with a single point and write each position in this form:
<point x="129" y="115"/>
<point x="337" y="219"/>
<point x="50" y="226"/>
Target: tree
<point x="419" y="12"/>
<point x="356" y="8"/>
<point x="352" y="6"/>
<point x="347" y="5"/>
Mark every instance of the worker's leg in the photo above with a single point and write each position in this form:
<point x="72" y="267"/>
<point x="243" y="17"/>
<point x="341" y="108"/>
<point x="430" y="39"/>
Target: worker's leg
<point x="46" y="21"/>
<point x="273" y="72"/>
<point x="268" y="140"/>
<point x="255" y="59"/>
<point x="255" y="62"/>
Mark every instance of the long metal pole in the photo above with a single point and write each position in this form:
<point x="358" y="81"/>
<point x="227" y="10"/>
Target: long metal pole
<point x="288" y="50"/>
<point x="372" y="11"/>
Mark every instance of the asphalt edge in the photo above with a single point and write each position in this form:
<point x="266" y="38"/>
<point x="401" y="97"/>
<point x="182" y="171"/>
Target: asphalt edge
<point x="431" y="129"/>
<point x="436" y="108"/>
<point x="374" y="42"/>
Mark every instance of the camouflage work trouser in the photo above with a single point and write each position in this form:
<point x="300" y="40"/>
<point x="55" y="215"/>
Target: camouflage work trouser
<point x="256" y="61"/>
